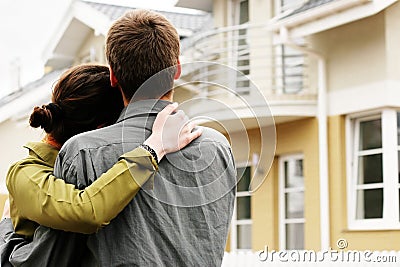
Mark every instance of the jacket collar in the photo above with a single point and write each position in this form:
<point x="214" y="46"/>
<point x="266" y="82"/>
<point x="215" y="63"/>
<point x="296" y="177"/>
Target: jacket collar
<point x="44" y="151"/>
<point x="143" y="108"/>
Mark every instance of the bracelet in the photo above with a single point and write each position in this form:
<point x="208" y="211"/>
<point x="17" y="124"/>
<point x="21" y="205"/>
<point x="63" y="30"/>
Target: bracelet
<point x="151" y="151"/>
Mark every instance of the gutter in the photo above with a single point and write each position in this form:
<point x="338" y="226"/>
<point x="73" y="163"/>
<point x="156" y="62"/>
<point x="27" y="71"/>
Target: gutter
<point x="322" y="136"/>
<point x="328" y="16"/>
<point x="317" y="13"/>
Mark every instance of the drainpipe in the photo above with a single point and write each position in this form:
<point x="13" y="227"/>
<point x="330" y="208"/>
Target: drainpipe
<point x="322" y="136"/>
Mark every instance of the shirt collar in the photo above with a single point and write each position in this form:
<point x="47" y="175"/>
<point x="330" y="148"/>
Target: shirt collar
<point x="142" y="107"/>
<point x="44" y="151"/>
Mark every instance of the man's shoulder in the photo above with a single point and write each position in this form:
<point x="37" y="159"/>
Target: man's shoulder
<point x="90" y="140"/>
<point x="212" y="137"/>
<point x="94" y="138"/>
<point x="76" y="155"/>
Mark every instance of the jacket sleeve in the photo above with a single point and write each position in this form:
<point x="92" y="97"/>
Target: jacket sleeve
<point x="37" y="195"/>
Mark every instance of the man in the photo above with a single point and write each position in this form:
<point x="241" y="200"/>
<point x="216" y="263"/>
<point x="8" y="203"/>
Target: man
<point x="183" y="219"/>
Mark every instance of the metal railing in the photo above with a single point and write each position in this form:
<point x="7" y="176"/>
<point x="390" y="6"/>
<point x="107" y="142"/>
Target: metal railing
<point x="256" y="62"/>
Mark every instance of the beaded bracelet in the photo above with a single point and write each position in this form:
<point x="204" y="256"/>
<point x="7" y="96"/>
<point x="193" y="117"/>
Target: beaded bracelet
<point x="151" y="151"/>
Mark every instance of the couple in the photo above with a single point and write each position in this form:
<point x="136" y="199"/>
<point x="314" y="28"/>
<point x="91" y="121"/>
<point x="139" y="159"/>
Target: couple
<point x="180" y="216"/>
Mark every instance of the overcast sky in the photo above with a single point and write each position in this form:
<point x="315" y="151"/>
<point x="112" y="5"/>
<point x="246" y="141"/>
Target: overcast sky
<point x="25" y="29"/>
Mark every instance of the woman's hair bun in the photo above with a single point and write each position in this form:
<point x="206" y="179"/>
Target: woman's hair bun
<point x="41" y="117"/>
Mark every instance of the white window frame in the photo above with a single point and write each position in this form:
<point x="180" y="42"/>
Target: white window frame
<point x="235" y="222"/>
<point x="390" y="148"/>
<point x="282" y="202"/>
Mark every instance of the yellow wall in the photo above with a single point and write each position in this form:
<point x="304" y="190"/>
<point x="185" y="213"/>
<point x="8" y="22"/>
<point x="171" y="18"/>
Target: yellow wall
<point x="293" y="137"/>
<point x="264" y="212"/>
<point x="357" y="240"/>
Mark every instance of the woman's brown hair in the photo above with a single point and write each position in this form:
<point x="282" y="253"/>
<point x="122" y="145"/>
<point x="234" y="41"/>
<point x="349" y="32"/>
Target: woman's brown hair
<point x="82" y="100"/>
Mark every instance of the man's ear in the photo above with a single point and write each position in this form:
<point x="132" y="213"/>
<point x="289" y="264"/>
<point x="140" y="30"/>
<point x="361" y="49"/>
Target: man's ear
<point x="178" y="70"/>
<point x="113" y="79"/>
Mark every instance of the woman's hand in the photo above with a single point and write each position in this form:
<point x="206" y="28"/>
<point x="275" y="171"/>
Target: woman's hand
<point x="171" y="132"/>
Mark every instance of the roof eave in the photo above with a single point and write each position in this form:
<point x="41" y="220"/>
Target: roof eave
<point x="90" y="17"/>
<point x="205" y="5"/>
<point x="329" y="16"/>
<point x="85" y="14"/>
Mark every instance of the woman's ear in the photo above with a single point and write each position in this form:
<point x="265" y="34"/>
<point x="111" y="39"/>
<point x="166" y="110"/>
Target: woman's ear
<point x="113" y="79"/>
<point x="178" y="70"/>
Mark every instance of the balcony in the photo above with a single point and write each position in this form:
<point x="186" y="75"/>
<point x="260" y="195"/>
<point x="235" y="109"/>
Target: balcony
<point x="237" y="72"/>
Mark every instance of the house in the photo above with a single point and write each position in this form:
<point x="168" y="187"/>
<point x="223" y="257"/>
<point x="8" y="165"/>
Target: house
<point x="80" y="38"/>
<point x="329" y="71"/>
<point x="308" y="94"/>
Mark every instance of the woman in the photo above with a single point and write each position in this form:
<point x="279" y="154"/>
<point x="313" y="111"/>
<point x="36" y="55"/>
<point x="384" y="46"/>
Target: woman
<point x="80" y="102"/>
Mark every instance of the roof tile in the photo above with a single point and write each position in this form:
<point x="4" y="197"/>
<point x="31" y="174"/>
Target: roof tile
<point x="193" y="22"/>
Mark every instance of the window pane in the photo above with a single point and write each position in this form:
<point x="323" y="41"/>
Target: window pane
<point x="243" y="207"/>
<point x="370" y="169"/>
<point x="294" y="203"/>
<point x="295" y="236"/>
<point x="398" y="128"/>
<point x="369" y="203"/>
<point x="370" y="134"/>
<point x="244" y="237"/>
<point x="290" y="4"/>
<point x="244" y="12"/>
<point x="293" y="63"/>
<point x="244" y="177"/>
<point x="286" y="173"/>
<point x="294" y="177"/>
<point x="298" y="168"/>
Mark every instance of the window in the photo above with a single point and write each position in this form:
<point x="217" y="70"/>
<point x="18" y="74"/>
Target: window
<point x="290" y="69"/>
<point x="241" y="223"/>
<point x="373" y="170"/>
<point x="88" y="57"/>
<point x="290" y="63"/>
<point x="291" y="202"/>
<point x="238" y="47"/>
<point x="287" y="5"/>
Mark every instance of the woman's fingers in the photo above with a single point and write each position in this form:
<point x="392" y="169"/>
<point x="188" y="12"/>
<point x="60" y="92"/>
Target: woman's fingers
<point x="188" y="133"/>
<point x="195" y="134"/>
<point x="172" y="131"/>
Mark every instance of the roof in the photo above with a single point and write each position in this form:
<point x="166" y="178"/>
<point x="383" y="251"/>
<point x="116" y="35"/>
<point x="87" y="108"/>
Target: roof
<point x="309" y="5"/>
<point x="205" y="5"/>
<point x="83" y="19"/>
<point x="192" y="22"/>
<point x="33" y="94"/>
<point x="52" y="76"/>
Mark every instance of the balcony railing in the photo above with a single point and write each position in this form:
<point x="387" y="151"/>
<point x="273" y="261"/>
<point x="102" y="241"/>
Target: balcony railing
<point x="255" y="63"/>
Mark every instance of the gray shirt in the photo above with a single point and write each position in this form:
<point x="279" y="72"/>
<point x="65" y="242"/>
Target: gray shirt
<point x="179" y="219"/>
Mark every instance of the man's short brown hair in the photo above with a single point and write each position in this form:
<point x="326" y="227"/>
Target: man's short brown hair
<point x="140" y="44"/>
